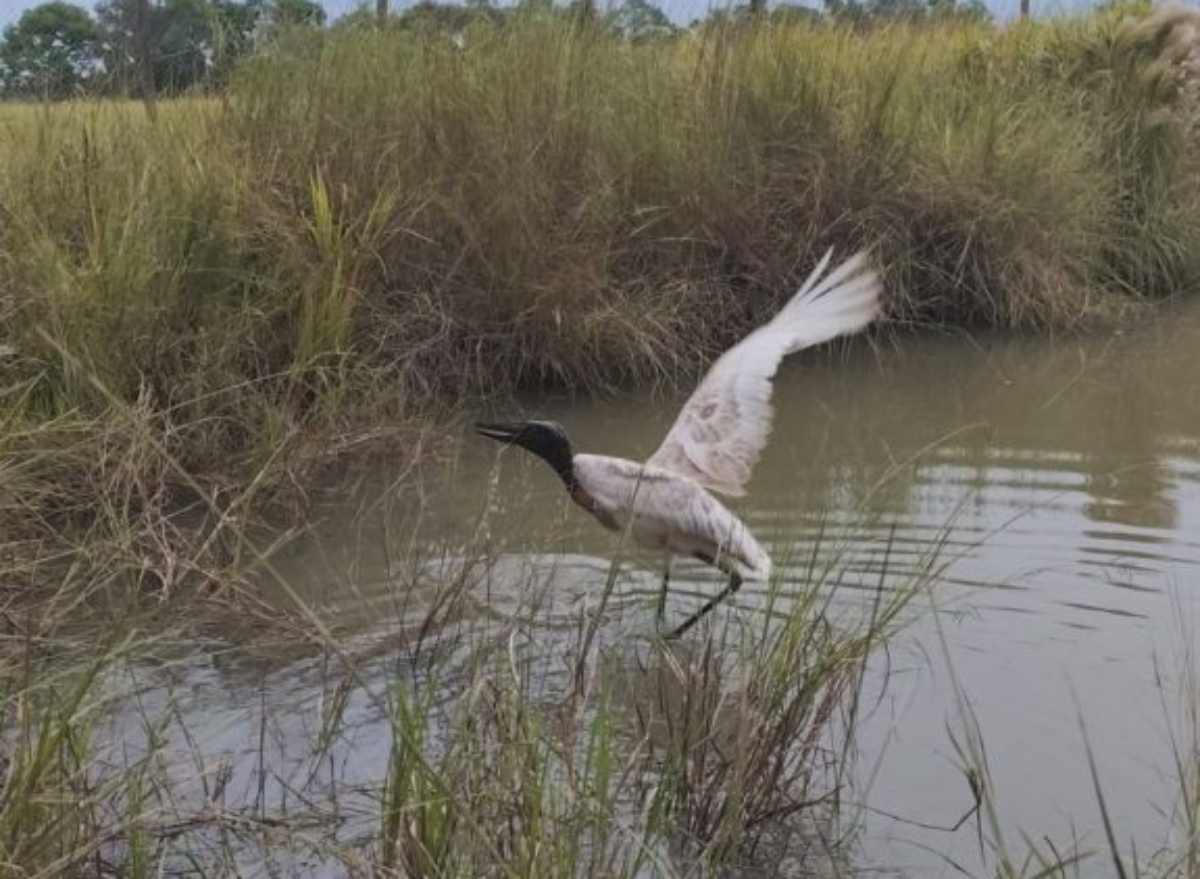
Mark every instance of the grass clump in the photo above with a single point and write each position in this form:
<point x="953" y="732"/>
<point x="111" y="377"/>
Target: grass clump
<point x="444" y="741"/>
<point x="1007" y="177"/>
<point x="727" y="752"/>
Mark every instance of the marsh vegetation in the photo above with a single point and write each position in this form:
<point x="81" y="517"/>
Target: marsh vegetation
<point x="214" y="314"/>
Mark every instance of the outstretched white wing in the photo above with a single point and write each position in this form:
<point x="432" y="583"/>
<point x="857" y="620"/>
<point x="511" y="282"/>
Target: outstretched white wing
<point x="723" y="427"/>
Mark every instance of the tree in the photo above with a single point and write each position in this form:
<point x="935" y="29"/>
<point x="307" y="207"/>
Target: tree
<point x="967" y="10"/>
<point x="232" y="26"/>
<point x="867" y="11"/>
<point x="582" y="11"/>
<point x="639" y="20"/>
<point x="297" y="12"/>
<point x="911" y="10"/>
<point x="359" y="17"/>
<point x="793" y="13"/>
<point x="52" y="50"/>
<point x="447" y="18"/>
<point x="185" y="44"/>
<point x="175" y="45"/>
<point x="149" y="48"/>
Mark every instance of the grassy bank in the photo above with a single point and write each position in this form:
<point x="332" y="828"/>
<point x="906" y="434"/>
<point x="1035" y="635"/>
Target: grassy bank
<point x="371" y="225"/>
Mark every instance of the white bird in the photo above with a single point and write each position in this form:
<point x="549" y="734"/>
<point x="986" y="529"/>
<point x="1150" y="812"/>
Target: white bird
<point x="714" y="443"/>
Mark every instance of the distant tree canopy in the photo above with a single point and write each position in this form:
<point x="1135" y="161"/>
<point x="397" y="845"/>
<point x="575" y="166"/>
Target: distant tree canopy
<point x="865" y="11"/>
<point x="790" y="13"/>
<point x="59" y="49"/>
<point x="633" y="19"/>
<point x="51" y="51"/>
<point x="447" y="16"/>
<point x="858" y="12"/>
<point x="284" y="13"/>
<point x="177" y="34"/>
<point x="639" y="20"/>
<point x="192" y="42"/>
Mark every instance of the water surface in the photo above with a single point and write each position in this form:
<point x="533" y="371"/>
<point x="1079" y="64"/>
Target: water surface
<point x="1061" y="477"/>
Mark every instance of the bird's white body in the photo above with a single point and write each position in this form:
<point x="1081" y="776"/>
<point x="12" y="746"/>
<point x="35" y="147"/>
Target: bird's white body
<point x="715" y="441"/>
<point x="666" y="512"/>
<point x="718" y="436"/>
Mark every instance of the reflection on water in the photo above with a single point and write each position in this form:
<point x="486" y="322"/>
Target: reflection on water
<point x="1061" y="476"/>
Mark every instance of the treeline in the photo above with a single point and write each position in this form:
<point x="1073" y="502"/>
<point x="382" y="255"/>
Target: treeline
<point x="139" y="48"/>
<point x="135" y="47"/>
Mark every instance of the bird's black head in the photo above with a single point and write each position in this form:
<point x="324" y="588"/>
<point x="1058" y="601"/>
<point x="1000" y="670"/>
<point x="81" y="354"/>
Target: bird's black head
<point x="546" y="439"/>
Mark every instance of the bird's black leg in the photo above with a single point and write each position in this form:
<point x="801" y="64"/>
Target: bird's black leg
<point x="735" y="583"/>
<point x="662" y="595"/>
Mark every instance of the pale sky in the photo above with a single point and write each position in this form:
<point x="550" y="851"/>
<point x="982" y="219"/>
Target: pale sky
<point x="680" y="11"/>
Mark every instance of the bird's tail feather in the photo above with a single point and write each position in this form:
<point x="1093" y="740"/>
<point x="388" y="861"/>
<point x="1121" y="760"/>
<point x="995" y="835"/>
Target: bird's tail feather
<point x="758" y="567"/>
<point x="750" y="561"/>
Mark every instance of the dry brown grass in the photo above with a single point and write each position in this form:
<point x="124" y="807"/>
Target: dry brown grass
<point x="372" y="226"/>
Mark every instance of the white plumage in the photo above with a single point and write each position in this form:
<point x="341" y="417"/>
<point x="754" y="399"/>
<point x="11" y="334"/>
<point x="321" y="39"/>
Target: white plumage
<point x="715" y="441"/>
<point x="669" y="512"/>
<point x="723" y="427"/>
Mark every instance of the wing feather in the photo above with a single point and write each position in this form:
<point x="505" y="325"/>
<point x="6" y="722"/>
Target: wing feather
<point x="722" y="429"/>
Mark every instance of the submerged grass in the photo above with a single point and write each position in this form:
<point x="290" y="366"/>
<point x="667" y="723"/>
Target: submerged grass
<point x="723" y="752"/>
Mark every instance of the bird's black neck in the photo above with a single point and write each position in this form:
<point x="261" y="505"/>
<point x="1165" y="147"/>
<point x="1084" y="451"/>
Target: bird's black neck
<point x="550" y="443"/>
<point x="559" y="456"/>
<point x="564" y="466"/>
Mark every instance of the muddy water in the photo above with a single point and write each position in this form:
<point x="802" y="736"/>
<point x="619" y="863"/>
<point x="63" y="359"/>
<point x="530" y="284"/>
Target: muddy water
<point x="1060" y="478"/>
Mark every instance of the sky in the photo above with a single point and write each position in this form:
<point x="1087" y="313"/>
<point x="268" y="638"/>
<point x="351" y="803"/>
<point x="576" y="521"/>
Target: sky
<point x="680" y="11"/>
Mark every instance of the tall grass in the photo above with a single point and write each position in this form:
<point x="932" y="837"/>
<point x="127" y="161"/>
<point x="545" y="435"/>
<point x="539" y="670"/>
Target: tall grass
<point x="646" y="758"/>
<point x="1007" y="177"/>
<point x="372" y="224"/>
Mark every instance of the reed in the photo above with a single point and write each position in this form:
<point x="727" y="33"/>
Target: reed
<point x="370" y="226"/>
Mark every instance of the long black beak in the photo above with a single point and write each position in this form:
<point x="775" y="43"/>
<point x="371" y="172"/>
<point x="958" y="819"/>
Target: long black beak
<point x="505" y="433"/>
